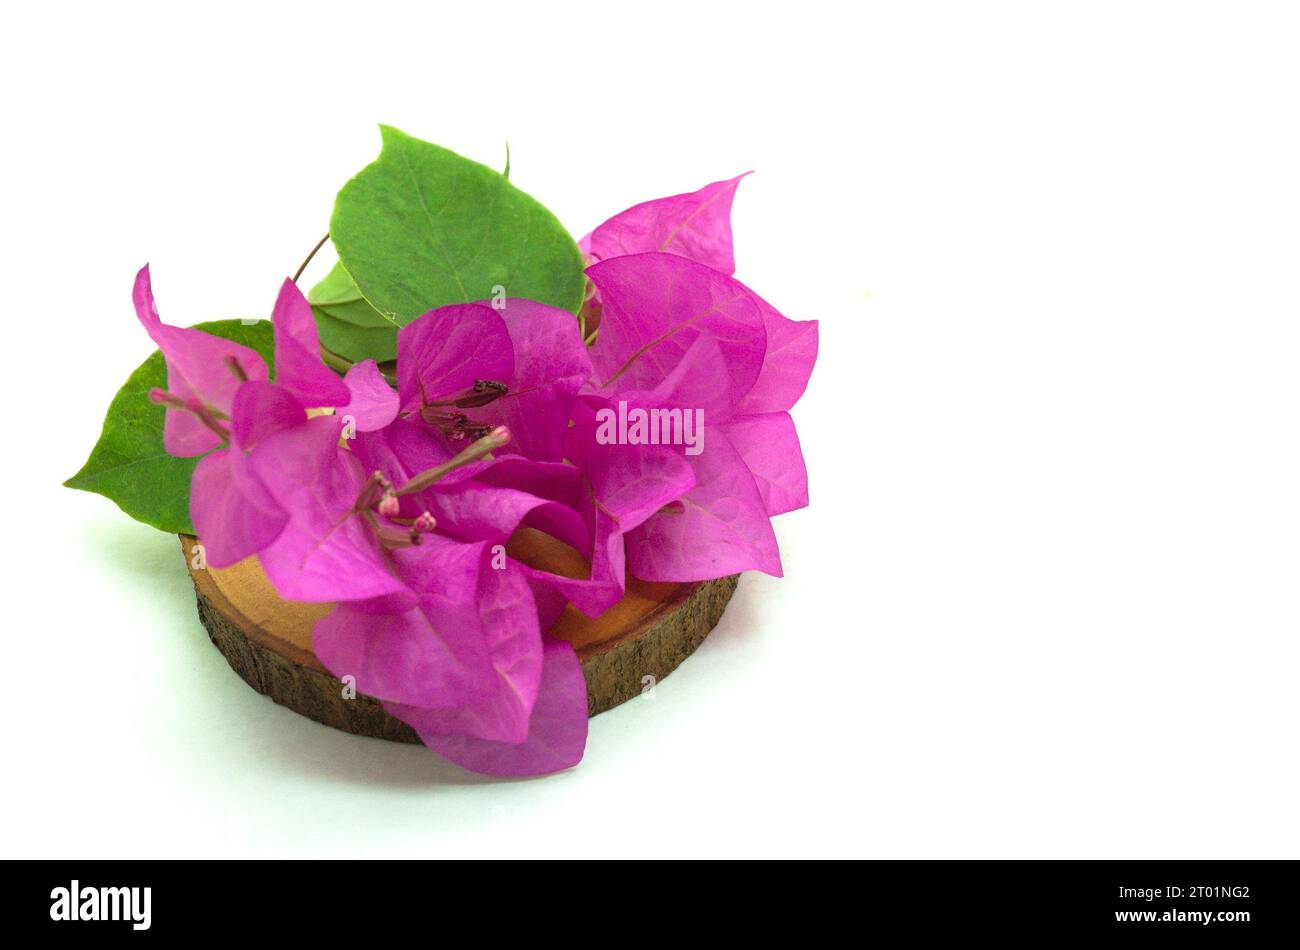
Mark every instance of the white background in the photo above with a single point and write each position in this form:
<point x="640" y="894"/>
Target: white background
<point x="1044" y="602"/>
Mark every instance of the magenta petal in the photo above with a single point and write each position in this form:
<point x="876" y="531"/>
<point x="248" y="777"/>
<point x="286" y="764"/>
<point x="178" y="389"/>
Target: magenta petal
<point x="198" y="367"/>
<point x="502" y="710"/>
<point x="233" y="513"/>
<point x="770" y="447"/>
<point x="696" y="225"/>
<point x="787" y="364"/>
<point x="556" y="481"/>
<point x="445" y="351"/>
<point x="723" y="527"/>
<point x="600" y="590"/>
<point x="624" y="486"/>
<point x="472" y="511"/>
<point x="262" y="409"/>
<point x="629" y="482"/>
<point x="557" y="729"/>
<point x="325" y="552"/>
<point x="550" y="366"/>
<point x="433" y="654"/>
<point x="403" y="449"/>
<point x="657" y="307"/>
<point x="692" y="384"/>
<point x="578" y="522"/>
<point x="374" y="403"/>
<point x="551" y="603"/>
<point x="298" y="366"/>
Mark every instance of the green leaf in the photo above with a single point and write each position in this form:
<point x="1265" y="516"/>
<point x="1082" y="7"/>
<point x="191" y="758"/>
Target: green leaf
<point x="347" y="324"/>
<point x="422" y="227"/>
<point x="129" y="465"/>
<point x="338" y="296"/>
<point x="354" y="342"/>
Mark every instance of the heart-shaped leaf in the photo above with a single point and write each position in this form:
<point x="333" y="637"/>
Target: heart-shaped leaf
<point x="421" y="227"/>
<point x="129" y="465"/>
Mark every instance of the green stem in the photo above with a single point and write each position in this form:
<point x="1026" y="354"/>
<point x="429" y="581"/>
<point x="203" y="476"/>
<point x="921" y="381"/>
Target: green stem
<point x="334" y="361"/>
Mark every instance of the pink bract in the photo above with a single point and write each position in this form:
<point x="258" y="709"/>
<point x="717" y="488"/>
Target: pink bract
<point x="676" y="335"/>
<point x="696" y="225"/>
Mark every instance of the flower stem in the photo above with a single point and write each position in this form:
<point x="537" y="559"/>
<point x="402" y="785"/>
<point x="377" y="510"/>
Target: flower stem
<point x="331" y="359"/>
<point x="303" y="266"/>
<point x="334" y="361"/>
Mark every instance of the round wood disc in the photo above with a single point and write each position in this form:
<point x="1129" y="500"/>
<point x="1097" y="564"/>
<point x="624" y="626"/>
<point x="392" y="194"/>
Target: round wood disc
<point x="267" y="640"/>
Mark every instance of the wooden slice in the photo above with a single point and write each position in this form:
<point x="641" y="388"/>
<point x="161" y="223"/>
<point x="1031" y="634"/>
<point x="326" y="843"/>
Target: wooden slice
<point x="267" y="640"/>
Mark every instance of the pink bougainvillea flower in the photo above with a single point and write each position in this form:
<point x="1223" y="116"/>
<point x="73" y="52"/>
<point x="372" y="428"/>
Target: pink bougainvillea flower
<point x="622" y="486"/>
<point x="231" y="509"/>
<point x="400" y="519"/>
<point x="721" y="527"/>
<point x="466" y="502"/>
<point x="557" y="724"/>
<point x="219" y="395"/>
<point x="352" y="509"/>
<point x="466" y="368"/>
<point x="203" y="372"/>
<point x="497" y="609"/>
<point x="526" y="716"/>
<point x="659" y="306"/>
<point x="397" y="503"/>
<point x="787" y="363"/>
<point x="429" y="647"/>
<point x="442" y="354"/>
<point x="551" y="364"/>
<point x="460" y="656"/>
<point x="438" y="625"/>
<point x="679" y="336"/>
<point x="331" y="546"/>
<point x="489" y="500"/>
<point x="572" y="520"/>
<point x="696" y="225"/>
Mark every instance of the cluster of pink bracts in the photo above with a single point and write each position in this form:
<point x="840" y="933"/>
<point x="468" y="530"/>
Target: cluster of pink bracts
<point x="397" y="504"/>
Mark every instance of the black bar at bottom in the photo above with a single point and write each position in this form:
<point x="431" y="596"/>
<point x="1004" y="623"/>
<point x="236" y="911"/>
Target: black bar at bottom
<point x="371" y="901"/>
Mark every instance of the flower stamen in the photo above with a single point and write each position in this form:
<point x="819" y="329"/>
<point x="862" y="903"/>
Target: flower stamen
<point x="210" y="416"/>
<point x="395" y="537"/>
<point x="457" y="426"/>
<point x="481" y="447"/>
<point x="483" y="392"/>
<point x="376" y="492"/>
<point x="235" y="367"/>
